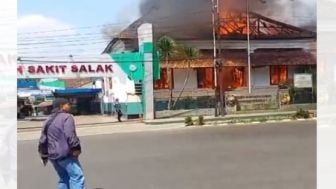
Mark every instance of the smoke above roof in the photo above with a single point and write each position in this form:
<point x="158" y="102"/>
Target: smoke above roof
<point x="301" y="13"/>
<point x="183" y="18"/>
<point x="193" y="13"/>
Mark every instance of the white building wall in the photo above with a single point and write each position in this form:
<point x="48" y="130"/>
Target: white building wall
<point x="180" y="76"/>
<point x="99" y="84"/>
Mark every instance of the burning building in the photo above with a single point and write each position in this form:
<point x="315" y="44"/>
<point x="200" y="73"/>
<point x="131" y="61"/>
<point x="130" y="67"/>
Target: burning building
<point x="279" y="46"/>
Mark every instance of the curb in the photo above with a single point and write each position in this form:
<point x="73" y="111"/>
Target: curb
<point x="281" y="115"/>
<point x="83" y="125"/>
<point x="273" y="115"/>
<point x="253" y="123"/>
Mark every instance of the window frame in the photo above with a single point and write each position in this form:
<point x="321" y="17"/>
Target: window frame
<point x="279" y="69"/>
<point x="203" y="71"/>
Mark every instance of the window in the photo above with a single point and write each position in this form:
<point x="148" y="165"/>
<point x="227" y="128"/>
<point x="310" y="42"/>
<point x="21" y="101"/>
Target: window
<point x="238" y="77"/>
<point x="205" y="78"/>
<point x="279" y="74"/>
<point x="162" y="83"/>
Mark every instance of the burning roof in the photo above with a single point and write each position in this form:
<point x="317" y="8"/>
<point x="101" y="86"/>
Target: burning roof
<point x="300" y="13"/>
<point x="233" y="25"/>
<point x="183" y="21"/>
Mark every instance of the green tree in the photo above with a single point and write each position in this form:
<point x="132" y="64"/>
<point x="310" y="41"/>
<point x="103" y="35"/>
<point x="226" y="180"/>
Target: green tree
<point x="166" y="47"/>
<point x="190" y="54"/>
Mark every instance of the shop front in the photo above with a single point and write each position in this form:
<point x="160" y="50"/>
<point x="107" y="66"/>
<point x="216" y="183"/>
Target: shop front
<point x="84" y="101"/>
<point x="127" y="77"/>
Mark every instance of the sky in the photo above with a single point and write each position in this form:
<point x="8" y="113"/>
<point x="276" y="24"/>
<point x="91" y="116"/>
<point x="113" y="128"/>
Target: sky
<point x="64" y="27"/>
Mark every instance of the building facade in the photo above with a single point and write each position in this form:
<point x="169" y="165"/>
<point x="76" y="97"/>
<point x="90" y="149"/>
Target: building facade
<point x="278" y="51"/>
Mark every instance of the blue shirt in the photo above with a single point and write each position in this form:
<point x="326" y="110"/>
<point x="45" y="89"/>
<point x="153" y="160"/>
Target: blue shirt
<point x="117" y="107"/>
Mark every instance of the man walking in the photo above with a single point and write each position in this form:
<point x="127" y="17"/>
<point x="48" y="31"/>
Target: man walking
<point x="59" y="144"/>
<point x="117" y="108"/>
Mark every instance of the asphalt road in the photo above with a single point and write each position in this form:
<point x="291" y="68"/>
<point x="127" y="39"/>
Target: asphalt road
<point x="268" y="156"/>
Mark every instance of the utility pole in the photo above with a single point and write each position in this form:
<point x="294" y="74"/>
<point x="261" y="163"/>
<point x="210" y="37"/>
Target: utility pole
<point x="214" y="6"/>
<point x="219" y="62"/>
<point x="248" y="46"/>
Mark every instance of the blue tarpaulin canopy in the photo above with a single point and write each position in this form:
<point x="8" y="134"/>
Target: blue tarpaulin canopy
<point x="26" y="84"/>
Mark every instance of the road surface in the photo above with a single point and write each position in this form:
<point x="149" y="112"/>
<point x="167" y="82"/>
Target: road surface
<point x="266" y="156"/>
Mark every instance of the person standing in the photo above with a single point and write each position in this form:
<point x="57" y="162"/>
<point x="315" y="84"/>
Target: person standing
<point x="60" y="145"/>
<point x="117" y="108"/>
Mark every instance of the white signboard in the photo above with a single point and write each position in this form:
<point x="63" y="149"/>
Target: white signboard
<point x="29" y="93"/>
<point x="71" y="70"/>
<point x="303" y="80"/>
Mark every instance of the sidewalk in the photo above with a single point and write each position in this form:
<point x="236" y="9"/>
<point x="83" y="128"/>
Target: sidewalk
<point x="125" y="127"/>
<point x="81" y="121"/>
<point x="101" y="125"/>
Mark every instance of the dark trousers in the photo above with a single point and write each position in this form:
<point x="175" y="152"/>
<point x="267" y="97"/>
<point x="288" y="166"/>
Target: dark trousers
<point x="119" y="114"/>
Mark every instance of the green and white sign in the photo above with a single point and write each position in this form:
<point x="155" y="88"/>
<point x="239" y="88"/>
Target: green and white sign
<point x="51" y="84"/>
<point x="142" y="66"/>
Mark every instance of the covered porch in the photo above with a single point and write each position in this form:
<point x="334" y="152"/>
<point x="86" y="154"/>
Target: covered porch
<point x="272" y="79"/>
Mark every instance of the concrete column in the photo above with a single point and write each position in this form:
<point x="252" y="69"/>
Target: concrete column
<point x="145" y="35"/>
<point x="99" y="85"/>
<point x="247" y="73"/>
<point x="105" y="92"/>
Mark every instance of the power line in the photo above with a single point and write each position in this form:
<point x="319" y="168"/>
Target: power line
<point x="55" y="36"/>
<point x="92" y="41"/>
<point x="104" y="25"/>
<point x="29" y="61"/>
<point x="115" y="34"/>
<point x="97" y="41"/>
<point x="57" y="42"/>
<point x="58" y="56"/>
<point x="66" y="45"/>
<point x="69" y="29"/>
<point x="69" y="40"/>
<point x="63" y="50"/>
<point x="65" y="36"/>
<point x="76" y="44"/>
